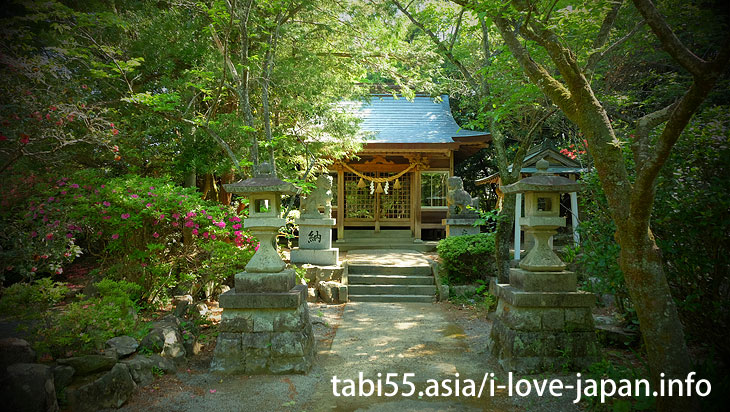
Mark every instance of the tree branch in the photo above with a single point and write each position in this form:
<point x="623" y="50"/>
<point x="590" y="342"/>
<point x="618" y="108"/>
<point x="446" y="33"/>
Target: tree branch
<point x="472" y="83"/>
<point x="670" y="42"/>
<point x="596" y="57"/>
<point x="526" y="143"/>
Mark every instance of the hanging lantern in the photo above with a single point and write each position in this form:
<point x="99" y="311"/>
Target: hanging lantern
<point x="379" y="189"/>
<point x="396" y="185"/>
<point x="361" y="184"/>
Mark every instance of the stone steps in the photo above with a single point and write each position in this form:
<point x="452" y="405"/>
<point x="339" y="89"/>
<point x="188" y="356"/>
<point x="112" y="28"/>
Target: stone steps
<point x="358" y="290"/>
<point x="393" y="298"/>
<point x="390" y="276"/>
<point x="355" y="279"/>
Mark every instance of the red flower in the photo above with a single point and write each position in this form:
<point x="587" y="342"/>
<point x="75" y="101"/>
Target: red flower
<point x="115" y="148"/>
<point x="24" y="138"/>
<point x="3" y="138"/>
<point x="115" y="132"/>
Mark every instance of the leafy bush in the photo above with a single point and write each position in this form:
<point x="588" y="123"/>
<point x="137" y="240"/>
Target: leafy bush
<point x="467" y="259"/>
<point x="145" y="230"/>
<point x="30" y="299"/>
<point x="84" y="325"/>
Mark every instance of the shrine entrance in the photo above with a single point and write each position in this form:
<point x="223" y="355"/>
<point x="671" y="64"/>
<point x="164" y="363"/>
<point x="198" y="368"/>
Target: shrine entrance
<point x="368" y="206"/>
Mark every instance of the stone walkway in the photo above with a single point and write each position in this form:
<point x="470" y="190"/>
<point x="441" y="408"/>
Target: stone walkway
<point x="424" y="339"/>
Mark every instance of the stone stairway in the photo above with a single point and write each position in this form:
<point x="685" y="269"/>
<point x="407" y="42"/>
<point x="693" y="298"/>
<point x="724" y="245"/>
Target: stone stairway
<point x="357" y="240"/>
<point x="389" y="276"/>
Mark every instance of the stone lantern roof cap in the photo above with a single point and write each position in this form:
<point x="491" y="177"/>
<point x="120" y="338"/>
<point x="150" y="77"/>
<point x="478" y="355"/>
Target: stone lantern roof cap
<point x="265" y="180"/>
<point x="543" y="181"/>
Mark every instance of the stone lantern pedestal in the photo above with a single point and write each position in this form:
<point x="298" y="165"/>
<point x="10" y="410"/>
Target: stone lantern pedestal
<point x="542" y="321"/>
<point x="265" y="326"/>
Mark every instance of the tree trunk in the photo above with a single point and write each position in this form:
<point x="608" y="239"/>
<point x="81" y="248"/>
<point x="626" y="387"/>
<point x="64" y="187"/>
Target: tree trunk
<point x="190" y="179"/>
<point x="223" y="196"/>
<point x="641" y="262"/>
<point x="503" y="236"/>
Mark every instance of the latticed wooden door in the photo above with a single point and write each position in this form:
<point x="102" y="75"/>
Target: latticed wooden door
<point x="361" y="206"/>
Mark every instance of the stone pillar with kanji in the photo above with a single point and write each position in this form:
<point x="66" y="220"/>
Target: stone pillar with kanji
<point x="315" y="228"/>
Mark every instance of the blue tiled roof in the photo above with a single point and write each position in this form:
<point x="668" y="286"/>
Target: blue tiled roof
<point x="403" y="121"/>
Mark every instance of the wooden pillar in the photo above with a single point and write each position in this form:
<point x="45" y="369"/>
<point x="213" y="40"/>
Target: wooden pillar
<point x="574" y="216"/>
<point x="416" y="203"/>
<point x="518" y="213"/>
<point x="340" y="204"/>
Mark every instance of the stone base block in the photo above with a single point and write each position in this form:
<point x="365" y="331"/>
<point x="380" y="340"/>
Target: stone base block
<point x="264" y="300"/>
<point x="248" y="282"/>
<point x="535" y="332"/>
<point x="323" y="257"/>
<point x="460" y="227"/>
<point x="264" y="341"/>
<point x="543" y="281"/>
<point x="539" y="351"/>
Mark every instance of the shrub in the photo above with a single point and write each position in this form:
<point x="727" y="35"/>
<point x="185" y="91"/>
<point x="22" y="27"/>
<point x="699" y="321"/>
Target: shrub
<point x="84" y="325"/>
<point x="28" y="300"/>
<point x="467" y="259"/>
<point x="145" y="230"/>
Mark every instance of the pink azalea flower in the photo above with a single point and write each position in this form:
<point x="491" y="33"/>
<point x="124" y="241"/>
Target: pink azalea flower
<point x="257" y="246"/>
<point x="106" y="217"/>
<point x="63" y="192"/>
<point x="115" y="236"/>
<point x="195" y="231"/>
<point x="51" y="199"/>
<point x="155" y="235"/>
<point x="236" y="226"/>
<point x="134" y="196"/>
<point x="212" y="236"/>
<point x="75" y="186"/>
<point x="176" y="216"/>
<point x="175" y="224"/>
<point x="49" y="236"/>
<point x="33" y="269"/>
<point x="33" y="234"/>
<point x="148" y="205"/>
<point x="221" y="224"/>
<point x="59" y="271"/>
<point x="125" y="216"/>
<point x="205" y="235"/>
<point x="107" y="204"/>
<point x="69" y="235"/>
<point x="162" y="216"/>
<point x="189" y="223"/>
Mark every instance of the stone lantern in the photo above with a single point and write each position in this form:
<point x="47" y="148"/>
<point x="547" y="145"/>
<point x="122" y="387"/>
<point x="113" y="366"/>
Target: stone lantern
<point x="542" y="320"/>
<point x="265" y="326"/>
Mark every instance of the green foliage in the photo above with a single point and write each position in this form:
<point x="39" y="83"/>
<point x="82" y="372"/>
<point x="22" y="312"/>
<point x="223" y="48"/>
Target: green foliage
<point x="27" y="300"/>
<point x="467" y="259"/>
<point x="616" y="371"/>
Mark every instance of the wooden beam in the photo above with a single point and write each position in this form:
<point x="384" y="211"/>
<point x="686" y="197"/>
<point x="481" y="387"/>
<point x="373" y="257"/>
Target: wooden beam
<point x="340" y="204"/>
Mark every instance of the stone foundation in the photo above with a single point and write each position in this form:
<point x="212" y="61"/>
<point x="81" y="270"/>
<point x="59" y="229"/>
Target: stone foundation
<point x="264" y="332"/>
<point x="536" y="331"/>
<point x="324" y="257"/>
<point x="460" y="227"/>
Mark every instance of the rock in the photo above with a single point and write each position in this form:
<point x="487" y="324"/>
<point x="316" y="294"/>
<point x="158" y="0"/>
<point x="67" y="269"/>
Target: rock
<point x="182" y="298"/>
<point x="111" y="353"/>
<point x="140" y="368"/>
<point x="164" y="364"/>
<point x="612" y="335"/>
<point x="111" y="390"/>
<point x="181" y="309"/>
<point x="328" y="291"/>
<point x="28" y="387"/>
<point x="62" y="376"/>
<point x="312" y="295"/>
<point x="84" y="365"/>
<point x="123" y="345"/>
<point x="192" y="346"/>
<point x="15" y="350"/>
<point x="165" y="339"/>
<point x="202" y="309"/>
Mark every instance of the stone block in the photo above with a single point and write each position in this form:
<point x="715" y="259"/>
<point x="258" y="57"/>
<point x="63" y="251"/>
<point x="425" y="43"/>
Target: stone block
<point x="543" y="281"/>
<point x="553" y="319"/>
<point x="287" y="344"/>
<point x="236" y="321"/>
<point x="229" y="356"/>
<point x="87" y="364"/>
<point x="578" y="319"/>
<point x="329" y="292"/>
<point x="343" y="295"/>
<point x="327" y="257"/>
<point x="263" y="322"/>
<point x="312" y="295"/>
<point x="288" y="321"/>
<point x="315" y="233"/>
<point x="140" y="368"/>
<point x="248" y="282"/>
<point x="264" y="300"/>
<point x="62" y="376"/>
<point x="460" y="227"/>
<point x="123" y="345"/>
<point x="518" y="297"/>
<point x="526" y="319"/>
